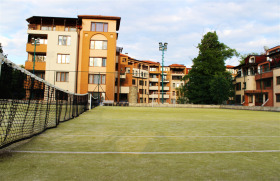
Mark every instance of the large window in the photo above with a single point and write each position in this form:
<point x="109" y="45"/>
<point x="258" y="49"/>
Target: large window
<point x="96" y="79"/>
<point x="101" y="27"/>
<point x="98" y="44"/>
<point x="62" y="58"/>
<point x="64" y="40"/>
<point x="97" y="62"/>
<point x="62" y="76"/>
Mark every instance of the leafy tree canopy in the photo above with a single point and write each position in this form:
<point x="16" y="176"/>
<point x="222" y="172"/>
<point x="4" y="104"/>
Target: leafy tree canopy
<point x="208" y="75"/>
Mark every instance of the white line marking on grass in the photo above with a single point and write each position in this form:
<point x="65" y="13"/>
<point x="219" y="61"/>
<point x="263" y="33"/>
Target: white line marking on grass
<point x="147" y="153"/>
<point x="157" y="136"/>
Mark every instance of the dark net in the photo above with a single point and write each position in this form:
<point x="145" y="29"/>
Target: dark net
<point x="29" y="105"/>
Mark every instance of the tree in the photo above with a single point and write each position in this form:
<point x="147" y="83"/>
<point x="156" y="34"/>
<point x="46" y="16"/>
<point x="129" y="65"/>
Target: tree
<point x="209" y="71"/>
<point x="2" y="52"/>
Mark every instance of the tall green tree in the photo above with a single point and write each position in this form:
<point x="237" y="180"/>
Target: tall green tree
<point x="208" y="72"/>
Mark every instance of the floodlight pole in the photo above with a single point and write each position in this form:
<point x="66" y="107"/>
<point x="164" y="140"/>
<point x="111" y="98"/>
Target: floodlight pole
<point x="162" y="48"/>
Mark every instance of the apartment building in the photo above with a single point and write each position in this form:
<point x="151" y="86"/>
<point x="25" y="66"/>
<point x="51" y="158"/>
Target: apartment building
<point x="74" y="53"/>
<point x="97" y="55"/>
<point x="56" y="51"/>
<point x="81" y="55"/>
<point x="142" y="81"/>
<point x="256" y="82"/>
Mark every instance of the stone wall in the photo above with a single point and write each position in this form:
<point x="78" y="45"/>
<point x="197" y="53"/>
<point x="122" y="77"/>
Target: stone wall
<point x="132" y="95"/>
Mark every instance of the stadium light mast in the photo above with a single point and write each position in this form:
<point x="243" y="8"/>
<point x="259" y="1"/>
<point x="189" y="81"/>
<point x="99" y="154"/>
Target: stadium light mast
<point x="35" y="41"/>
<point x="162" y="48"/>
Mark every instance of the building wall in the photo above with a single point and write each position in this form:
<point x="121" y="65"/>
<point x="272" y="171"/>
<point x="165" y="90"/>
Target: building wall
<point x="276" y="88"/>
<point x="85" y="36"/>
<point x="53" y="49"/>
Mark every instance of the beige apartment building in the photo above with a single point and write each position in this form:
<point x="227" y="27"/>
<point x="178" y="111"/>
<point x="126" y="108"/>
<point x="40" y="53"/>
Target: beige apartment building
<point x="56" y="51"/>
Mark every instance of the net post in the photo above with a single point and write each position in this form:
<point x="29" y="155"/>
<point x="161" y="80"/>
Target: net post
<point x="1" y="60"/>
<point x="90" y="101"/>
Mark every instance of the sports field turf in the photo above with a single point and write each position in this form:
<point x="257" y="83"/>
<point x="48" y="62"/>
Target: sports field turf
<point x="126" y="143"/>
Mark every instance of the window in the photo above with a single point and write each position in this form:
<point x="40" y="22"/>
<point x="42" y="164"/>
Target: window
<point x="252" y="60"/>
<point x="250" y="98"/>
<point x="153" y="69"/>
<point x="278" y="80"/>
<point x="140" y="82"/>
<point x="40" y="74"/>
<point x="267" y="83"/>
<point x="173" y="93"/>
<point x="48" y="28"/>
<point x="39" y="58"/>
<point x="133" y="81"/>
<point x="174" y="85"/>
<point x="70" y="28"/>
<point x="61" y="58"/>
<point x="62" y="76"/>
<point x="178" y="85"/>
<point x="96" y="79"/>
<point x="64" y="40"/>
<point x="238" y="86"/>
<point x="101" y="27"/>
<point x="244" y="85"/>
<point x="98" y="44"/>
<point x="43" y="41"/>
<point x="277" y="97"/>
<point x="97" y="62"/>
<point x="127" y="70"/>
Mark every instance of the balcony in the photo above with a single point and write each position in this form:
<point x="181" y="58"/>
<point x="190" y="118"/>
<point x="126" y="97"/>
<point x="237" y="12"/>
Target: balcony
<point x="153" y="88"/>
<point x="177" y="72"/>
<point x="39" y="65"/>
<point x="166" y="88"/>
<point x="264" y="75"/>
<point x="153" y="79"/>
<point x="39" y="48"/>
<point x="155" y="96"/>
<point x="164" y="80"/>
<point x="123" y="75"/>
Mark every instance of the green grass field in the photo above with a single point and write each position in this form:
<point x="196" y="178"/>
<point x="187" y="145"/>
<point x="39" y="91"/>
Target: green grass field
<point x="126" y="143"/>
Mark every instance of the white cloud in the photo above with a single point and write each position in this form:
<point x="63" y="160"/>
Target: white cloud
<point x="246" y="25"/>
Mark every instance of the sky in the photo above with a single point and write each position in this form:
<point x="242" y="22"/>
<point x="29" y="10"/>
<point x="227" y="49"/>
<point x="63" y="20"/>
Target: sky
<point x="245" y="25"/>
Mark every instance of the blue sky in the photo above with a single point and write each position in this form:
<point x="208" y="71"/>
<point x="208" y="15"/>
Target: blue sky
<point x="245" y="25"/>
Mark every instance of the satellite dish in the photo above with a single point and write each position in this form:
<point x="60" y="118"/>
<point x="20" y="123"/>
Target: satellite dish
<point x="265" y="48"/>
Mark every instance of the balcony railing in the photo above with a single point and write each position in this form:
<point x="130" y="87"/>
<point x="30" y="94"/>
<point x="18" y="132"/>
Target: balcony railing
<point x="36" y="60"/>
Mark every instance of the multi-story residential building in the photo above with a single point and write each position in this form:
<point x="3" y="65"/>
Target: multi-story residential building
<point x="80" y="55"/>
<point x="142" y="81"/>
<point x="56" y="54"/>
<point x="97" y="55"/>
<point x="256" y="82"/>
<point x="75" y="53"/>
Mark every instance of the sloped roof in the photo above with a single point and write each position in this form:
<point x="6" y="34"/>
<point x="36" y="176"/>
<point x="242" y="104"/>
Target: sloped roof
<point x="176" y="65"/>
